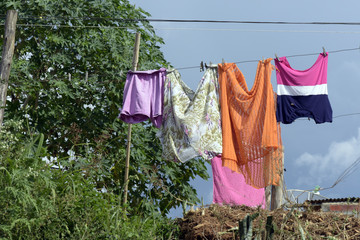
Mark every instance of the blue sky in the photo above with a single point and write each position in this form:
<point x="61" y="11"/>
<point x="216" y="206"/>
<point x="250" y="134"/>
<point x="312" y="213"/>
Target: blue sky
<point x="315" y="154"/>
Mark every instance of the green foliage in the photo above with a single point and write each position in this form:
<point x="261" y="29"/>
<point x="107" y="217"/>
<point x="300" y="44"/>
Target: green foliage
<point x="154" y="184"/>
<point x="40" y="202"/>
<point x="71" y="110"/>
<point x="77" y="115"/>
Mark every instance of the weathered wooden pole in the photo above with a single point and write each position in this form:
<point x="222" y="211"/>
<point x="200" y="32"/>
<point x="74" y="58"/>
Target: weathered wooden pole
<point x="268" y="197"/>
<point x="127" y="163"/>
<point x="277" y="191"/>
<point x="6" y="60"/>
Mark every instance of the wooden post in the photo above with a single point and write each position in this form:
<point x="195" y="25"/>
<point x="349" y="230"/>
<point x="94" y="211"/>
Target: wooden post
<point x="246" y="226"/>
<point x="277" y="191"/>
<point x="268" y="197"/>
<point x="6" y="60"/>
<point x="127" y="163"/>
<point x="269" y="228"/>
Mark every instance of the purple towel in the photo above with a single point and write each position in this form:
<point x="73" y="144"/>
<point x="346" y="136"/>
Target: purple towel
<point x="230" y="188"/>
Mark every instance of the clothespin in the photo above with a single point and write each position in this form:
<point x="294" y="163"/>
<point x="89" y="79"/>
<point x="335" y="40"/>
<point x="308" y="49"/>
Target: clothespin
<point x="202" y="66"/>
<point x="169" y="70"/>
<point x="324" y="52"/>
<point x="223" y="61"/>
<point x="277" y="58"/>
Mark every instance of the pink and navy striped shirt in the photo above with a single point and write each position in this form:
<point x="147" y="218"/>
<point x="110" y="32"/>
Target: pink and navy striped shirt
<point x="302" y="93"/>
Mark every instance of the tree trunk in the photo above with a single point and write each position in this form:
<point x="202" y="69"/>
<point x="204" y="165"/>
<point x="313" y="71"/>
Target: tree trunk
<point x="6" y="60"/>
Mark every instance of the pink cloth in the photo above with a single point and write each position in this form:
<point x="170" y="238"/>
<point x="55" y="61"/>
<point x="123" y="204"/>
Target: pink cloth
<point x="144" y="97"/>
<point x="230" y="188"/>
<point x="315" y="75"/>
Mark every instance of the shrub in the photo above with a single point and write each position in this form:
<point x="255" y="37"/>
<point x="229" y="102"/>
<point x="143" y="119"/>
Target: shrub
<point x="41" y="202"/>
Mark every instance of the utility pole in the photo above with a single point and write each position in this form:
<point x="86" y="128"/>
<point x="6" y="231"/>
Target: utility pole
<point x="6" y="60"/>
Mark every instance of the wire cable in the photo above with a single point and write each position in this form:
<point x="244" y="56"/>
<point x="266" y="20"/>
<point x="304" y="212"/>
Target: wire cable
<point x="338" y="116"/>
<point x="259" y="30"/>
<point x="347" y="172"/>
<point x="242" y="22"/>
<point x="186" y="20"/>
<point x="346" y="115"/>
<point x="193" y="29"/>
<point x="68" y="26"/>
<point x="181" y="68"/>
<point x="290" y="56"/>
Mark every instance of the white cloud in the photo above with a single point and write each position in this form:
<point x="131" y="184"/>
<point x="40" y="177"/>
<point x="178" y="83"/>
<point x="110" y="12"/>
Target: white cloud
<point x="322" y="169"/>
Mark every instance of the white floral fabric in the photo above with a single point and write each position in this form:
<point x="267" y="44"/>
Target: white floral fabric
<point x="191" y="124"/>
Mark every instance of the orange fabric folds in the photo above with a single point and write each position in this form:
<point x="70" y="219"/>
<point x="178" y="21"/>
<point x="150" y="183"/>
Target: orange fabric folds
<point x="251" y="135"/>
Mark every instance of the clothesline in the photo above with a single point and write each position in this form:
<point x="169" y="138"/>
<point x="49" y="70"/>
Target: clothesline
<point x="290" y="56"/>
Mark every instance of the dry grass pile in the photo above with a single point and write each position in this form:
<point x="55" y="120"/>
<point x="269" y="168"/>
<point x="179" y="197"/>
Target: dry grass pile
<point x="221" y="222"/>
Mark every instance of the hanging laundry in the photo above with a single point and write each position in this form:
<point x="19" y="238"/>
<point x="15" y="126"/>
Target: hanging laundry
<point x="303" y="93"/>
<point x="251" y="135"/>
<point x="229" y="187"/>
<point x="144" y="96"/>
<point x="191" y="124"/>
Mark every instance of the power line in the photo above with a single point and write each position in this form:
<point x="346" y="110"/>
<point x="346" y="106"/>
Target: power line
<point x="244" y="22"/>
<point x="69" y="26"/>
<point x="190" y="29"/>
<point x="338" y="116"/>
<point x="193" y="67"/>
<point x="186" y="20"/>
<point x="346" y="115"/>
<point x="258" y="30"/>
<point x="347" y="172"/>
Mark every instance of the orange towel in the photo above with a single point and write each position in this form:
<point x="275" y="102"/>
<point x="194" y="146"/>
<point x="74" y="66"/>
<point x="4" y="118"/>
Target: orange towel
<point x="251" y="135"/>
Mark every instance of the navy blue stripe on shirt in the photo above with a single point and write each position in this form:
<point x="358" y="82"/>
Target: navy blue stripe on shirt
<point x="290" y="108"/>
